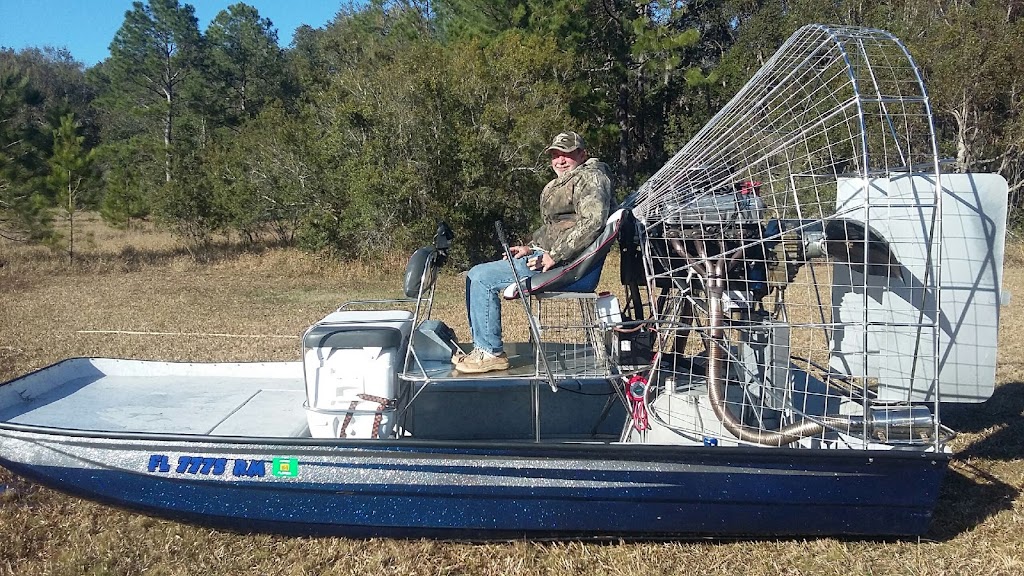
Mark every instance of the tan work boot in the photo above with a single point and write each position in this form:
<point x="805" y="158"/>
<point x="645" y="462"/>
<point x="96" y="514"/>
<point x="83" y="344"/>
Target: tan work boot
<point x="479" y="361"/>
<point x="458" y="356"/>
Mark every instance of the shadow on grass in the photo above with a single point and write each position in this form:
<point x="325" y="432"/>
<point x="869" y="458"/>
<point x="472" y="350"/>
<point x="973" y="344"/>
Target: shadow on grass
<point x="969" y="496"/>
<point x="210" y="253"/>
<point x="132" y="258"/>
<point x="1004" y="410"/>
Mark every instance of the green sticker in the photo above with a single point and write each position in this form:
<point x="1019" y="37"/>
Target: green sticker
<point x="287" y="467"/>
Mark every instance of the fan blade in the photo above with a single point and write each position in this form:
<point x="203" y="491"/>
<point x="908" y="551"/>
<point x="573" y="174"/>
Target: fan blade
<point x="855" y="243"/>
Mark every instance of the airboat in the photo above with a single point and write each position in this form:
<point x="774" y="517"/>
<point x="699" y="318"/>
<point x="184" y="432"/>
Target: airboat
<point x="803" y="290"/>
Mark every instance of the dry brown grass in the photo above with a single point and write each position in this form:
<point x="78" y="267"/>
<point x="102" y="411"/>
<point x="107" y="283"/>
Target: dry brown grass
<point x="142" y="280"/>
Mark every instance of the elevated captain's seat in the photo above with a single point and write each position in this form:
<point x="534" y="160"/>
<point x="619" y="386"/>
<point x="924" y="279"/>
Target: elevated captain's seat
<point x="567" y="312"/>
<point x="580" y="275"/>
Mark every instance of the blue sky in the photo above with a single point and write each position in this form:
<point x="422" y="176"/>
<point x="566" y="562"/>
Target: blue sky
<point x="86" y="27"/>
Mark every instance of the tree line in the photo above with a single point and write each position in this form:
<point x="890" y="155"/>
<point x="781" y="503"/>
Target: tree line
<point x="359" y="136"/>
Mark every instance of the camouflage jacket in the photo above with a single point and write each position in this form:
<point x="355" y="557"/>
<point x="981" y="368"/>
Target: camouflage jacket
<point x="573" y="209"/>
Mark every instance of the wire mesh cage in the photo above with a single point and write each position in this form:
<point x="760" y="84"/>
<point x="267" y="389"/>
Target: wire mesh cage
<point x="573" y="341"/>
<point x="773" y="243"/>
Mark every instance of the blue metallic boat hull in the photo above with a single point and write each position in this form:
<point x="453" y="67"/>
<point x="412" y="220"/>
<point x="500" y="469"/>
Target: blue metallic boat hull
<point x="484" y="491"/>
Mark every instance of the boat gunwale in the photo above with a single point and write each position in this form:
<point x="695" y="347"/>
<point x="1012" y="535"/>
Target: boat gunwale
<point x="575" y="450"/>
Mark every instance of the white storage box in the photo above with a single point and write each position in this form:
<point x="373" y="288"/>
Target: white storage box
<point x="608" y="313"/>
<point x="351" y="361"/>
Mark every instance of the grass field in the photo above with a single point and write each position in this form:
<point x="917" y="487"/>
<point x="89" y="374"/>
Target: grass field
<point x="141" y="281"/>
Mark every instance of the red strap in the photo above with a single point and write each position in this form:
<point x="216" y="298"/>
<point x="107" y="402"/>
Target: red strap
<point x="636" y="391"/>
<point x="382" y="404"/>
<point x="348" y="418"/>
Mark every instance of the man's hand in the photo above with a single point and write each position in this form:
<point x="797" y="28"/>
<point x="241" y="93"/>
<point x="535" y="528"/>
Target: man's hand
<point x="520" y="251"/>
<point x="547" y="263"/>
<point x="542" y="263"/>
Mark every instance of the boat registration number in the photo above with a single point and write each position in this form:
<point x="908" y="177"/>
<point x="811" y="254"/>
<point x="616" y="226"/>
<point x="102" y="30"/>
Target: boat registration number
<point x="235" y="467"/>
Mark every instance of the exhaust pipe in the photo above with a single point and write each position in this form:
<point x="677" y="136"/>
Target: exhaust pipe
<point x="717" y="376"/>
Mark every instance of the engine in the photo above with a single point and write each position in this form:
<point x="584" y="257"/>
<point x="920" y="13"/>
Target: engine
<point x="727" y="225"/>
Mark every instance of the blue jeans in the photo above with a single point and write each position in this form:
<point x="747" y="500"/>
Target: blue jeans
<point x="484" y="284"/>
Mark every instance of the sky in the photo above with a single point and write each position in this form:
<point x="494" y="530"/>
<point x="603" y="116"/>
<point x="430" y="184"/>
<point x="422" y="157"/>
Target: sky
<point x="86" y="27"/>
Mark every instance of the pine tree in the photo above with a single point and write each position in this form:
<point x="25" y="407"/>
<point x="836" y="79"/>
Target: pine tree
<point x="71" y="176"/>
<point x="246" y="64"/>
<point x="153" y="54"/>
<point x="630" y="59"/>
<point x="23" y="204"/>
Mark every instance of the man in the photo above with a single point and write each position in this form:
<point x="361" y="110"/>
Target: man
<point x="574" y="207"/>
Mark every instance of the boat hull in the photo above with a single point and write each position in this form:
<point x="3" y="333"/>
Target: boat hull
<point x="486" y="490"/>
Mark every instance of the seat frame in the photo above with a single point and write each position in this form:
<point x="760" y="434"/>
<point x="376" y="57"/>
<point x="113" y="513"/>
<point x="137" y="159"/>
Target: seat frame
<point x="547" y="285"/>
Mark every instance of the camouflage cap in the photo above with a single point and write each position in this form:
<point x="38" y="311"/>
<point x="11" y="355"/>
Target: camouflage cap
<point x="567" y="142"/>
